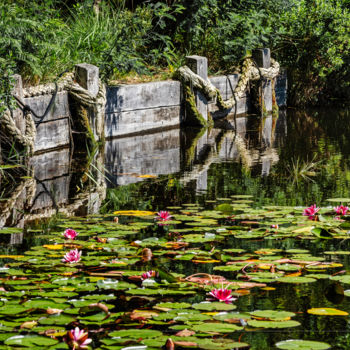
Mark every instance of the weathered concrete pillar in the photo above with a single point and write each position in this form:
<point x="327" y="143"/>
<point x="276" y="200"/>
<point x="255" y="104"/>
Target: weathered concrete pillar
<point x="87" y="76"/>
<point x="263" y="58"/>
<point x="199" y="65"/>
<point x="17" y="113"/>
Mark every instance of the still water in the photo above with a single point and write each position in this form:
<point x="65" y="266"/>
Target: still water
<point x="295" y="160"/>
<point x="300" y="158"/>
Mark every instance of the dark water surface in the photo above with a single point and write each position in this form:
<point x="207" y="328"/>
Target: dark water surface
<point x="297" y="159"/>
<point x="300" y="158"/>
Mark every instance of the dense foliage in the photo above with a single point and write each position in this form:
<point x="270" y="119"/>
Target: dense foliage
<point x="310" y="38"/>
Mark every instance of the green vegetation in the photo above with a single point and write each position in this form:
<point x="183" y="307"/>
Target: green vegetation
<point x="150" y="39"/>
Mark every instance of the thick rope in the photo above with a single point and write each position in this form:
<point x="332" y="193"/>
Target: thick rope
<point x="66" y="82"/>
<point x="249" y="73"/>
<point x="9" y="126"/>
<point x="97" y="102"/>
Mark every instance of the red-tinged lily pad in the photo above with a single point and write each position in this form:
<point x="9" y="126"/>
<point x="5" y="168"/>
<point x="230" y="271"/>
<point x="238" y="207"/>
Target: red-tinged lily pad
<point x="299" y="344"/>
<point x="327" y="311"/>
<point x="185" y="333"/>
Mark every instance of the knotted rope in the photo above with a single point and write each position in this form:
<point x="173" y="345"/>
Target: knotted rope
<point x="65" y="82"/>
<point x="250" y="72"/>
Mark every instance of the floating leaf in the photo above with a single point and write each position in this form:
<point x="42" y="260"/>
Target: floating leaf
<point x="273" y="324"/>
<point x="343" y="279"/>
<point x="272" y="315"/>
<point x="211" y="327"/>
<point x="290" y="279"/>
<point x="214" y="306"/>
<point x="136" y="333"/>
<point x="30" y="341"/>
<point x="299" y="344"/>
<point x="134" y="213"/>
<point x="321" y="233"/>
<point x="327" y="311"/>
<point x="340" y="200"/>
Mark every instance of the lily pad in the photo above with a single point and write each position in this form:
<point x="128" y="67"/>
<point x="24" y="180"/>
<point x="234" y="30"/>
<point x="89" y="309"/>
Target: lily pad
<point x="327" y="311"/>
<point x="211" y="327"/>
<point x="298" y="279"/>
<point x="214" y="306"/>
<point x="272" y="315"/>
<point x="273" y="324"/>
<point x="299" y="344"/>
<point x="136" y="333"/>
<point x="30" y="341"/>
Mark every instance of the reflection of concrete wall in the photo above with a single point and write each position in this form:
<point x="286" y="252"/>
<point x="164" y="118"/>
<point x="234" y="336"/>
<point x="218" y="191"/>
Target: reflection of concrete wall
<point x="151" y="154"/>
<point x="51" y="171"/>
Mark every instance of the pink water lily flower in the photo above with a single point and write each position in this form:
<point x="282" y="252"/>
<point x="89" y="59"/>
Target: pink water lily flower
<point x="311" y="211"/>
<point x="163" y="215"/>
<point x="70" y="234"/>
<point x="78" y="339"/>
<point x="222" y="294"/>
<point x="149" y="274"/>
<point x="341" y="210"/>
<point x="72" y="256"/>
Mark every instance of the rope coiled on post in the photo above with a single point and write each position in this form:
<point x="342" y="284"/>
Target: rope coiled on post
<point x="249" y="73"/>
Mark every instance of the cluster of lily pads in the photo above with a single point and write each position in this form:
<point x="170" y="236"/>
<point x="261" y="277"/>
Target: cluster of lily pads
<point x="179" y="278"/>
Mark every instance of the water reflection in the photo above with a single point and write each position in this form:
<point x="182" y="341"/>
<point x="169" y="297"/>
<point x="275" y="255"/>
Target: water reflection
<point x="46" y="185"/>
<point x="263" y="157"/>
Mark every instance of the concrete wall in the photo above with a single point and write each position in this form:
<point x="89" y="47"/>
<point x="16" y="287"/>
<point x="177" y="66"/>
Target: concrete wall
<point x="54" y="130"/>
<point x="142" y="107"/>
<point x="152" y="106"/>
<point x="136" y="108"/>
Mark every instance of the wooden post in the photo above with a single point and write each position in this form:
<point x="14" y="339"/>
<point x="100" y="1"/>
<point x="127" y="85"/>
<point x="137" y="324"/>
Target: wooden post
<point x="263" y="58"/>
<point x="199" y="65"/>
<point x="87" y="76"/>
<point x="87" y="118"/>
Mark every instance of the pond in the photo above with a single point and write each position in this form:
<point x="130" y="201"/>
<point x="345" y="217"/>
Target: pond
<point x="203" y="241"/>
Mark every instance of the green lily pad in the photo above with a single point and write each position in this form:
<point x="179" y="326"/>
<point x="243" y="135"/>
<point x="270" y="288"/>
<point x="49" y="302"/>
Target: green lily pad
<point x="214" y="306"/>
<point x="338" y="252"/>
<point x="343" y="279"/>
<point x="56" y="320"/>
<point x="30" y="341"/>
<point x="211" y="327"/>
<point x="44" y="304"/>
<point x="299" y="344"/>
<point x="136" y="333"/>
<point x="273" y="324"/>
<point x="298" y="279"/>
<point x="173" y="305"/>
<point x="273" y="315"/>
<point x="340" y="200"/>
